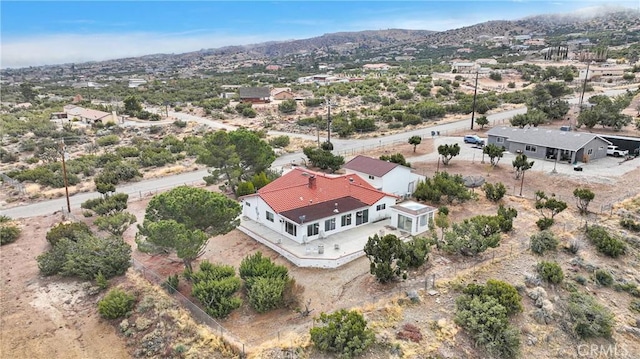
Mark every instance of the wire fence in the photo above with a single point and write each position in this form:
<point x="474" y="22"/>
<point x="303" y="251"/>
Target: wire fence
<point x="198" y="314"/>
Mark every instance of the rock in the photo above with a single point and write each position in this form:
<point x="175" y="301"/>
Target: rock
<point x="632" y="330"/>
<point x="432" y="292"/>
<point x="638" y="322"/>
<point x="531" y="340"/>
<point x="124" y="325"/>
<point x="413" y="296"/>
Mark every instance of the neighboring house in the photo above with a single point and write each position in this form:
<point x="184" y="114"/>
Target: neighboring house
<point x="282" y="94"/>
<point x="303" y="205"/>
<point x="255" y="94"/>
<point x="376" y="67"/>
<point x="133" y="83"/>
<point x="87" y="115"/>
<point x="464" y="67"/>
<point x="543" y="143"/>
<point x="605" y="73"/>
<point x="385" y="176"/>
<point x="412" y="217"/>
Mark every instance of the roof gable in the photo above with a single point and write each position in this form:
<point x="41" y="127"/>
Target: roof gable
<point x="566" y="140"/>
<point x="370" y="166"/>
<point x="254" y="92"/>
<point x="301" y="188"/>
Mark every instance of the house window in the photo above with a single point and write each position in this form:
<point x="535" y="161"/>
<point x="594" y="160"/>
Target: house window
<point x="330" y="224"/>
<point x="530" y="148"/>
<point x="371" y="177"/>
<point x="312" y="229"/>
<point x="380" y="207"/>
<point x="346" y="220"/>
<point x="590" y="151"/>
<point x="601" y="148"/>
<point x="362" y="217"/>
<point x="499" y="139"/>
<point x="291" y="228"/>
<point x="269" y="216"/>
<point x="247" y="204"/>
<point x="423" y="220"/>
<point x="404" y="223"/>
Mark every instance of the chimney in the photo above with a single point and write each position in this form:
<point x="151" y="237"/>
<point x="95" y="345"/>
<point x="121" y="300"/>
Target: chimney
<point x="312" y="182"/>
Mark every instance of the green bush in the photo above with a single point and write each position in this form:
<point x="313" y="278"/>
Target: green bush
<point x="109" y="205"/>
<point x="86" y="257"/>
<point x="180" y="124"/>
<point x="128" y="151"/>
<point x="543" y="241"/>
<point x="630" y="224"/>
<point x="245" y="188"/>
<point x="101" y="281"/>
<point x="544" y="223"/>
<point x="604" y="278"/>
<point x="605" y="243"/>
<point x="108" y="140"/>
<point x="495" y="192"/>
<point x="550" y="272"/>
<point x="115" y="223"/>
<point x="635" y="306"/>
<point x="214" y="286"/>
<point x="265" y="282"/>
<point x="590" y="318"/>
<point x="9" y="231"/>
<point x="629" y="288"/>
<point x="506" y="294"/>
<point x="71" y="231"/>
<point x="171" y="284"/>
<point x="116" y="304"/>
<point x="343" y="332"/>
<point x="280" y="141"/>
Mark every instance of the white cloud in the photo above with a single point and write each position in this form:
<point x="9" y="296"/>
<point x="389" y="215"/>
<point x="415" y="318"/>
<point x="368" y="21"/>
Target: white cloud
<point x="65" y="48"/>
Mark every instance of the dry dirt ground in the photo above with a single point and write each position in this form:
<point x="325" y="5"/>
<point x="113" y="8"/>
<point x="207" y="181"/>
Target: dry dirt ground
<point x="53" y="317"/>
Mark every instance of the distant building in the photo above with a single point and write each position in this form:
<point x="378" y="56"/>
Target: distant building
<point x="88" y="115"/>
<point x="255" y="94"/>
<point x="464" y="67"/>
<point x="604" y="73"/>
<point x="133" y="83"/>
<point x="376" y="67"/>
<point x="282" y="93"/>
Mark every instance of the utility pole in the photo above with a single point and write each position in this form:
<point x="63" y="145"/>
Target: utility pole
<point x="475" y="94"/>
<point x="584" y="86"/>
<point x="64" y="175"/>
<point x="329" y="119"/>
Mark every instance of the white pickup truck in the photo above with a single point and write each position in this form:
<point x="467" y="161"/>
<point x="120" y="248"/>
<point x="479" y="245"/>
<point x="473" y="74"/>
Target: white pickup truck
<point x="616" y="152"/>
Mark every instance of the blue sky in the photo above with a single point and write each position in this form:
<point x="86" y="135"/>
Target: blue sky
<point x="50" y="32"/>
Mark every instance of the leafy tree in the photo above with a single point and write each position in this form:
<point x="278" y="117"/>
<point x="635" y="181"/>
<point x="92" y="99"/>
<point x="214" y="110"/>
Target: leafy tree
<point x="132" y="105"/>
<point x="590" y="318"/>
<point x="550" y="204"/>
<point x="107" y="205"/>
<point x="543" y="241"/>
<point x="245" y="188"/>
<point x="550" y="272"/>
<point x="447" y="152"/>
<point x="28" y="91"/>
<point x="323" y="159"/>
<point x="385" y="256"/>
<point x="86" y="257"/>
<point x="442" y="187"/>
<point x="115" y="223"/>
<point x="583" y="196"/>
<point x="521" y="165"/>
<point x="183" y="219"/>
<point x="396" y="158"/>
<point x="606" y="112"/>
<point x="116" y="304"/>
<point x="467" y="239"/>
<point x="494" y="152"/>
<point x="442" y="221"/>
<point x="547" y="98"/>
<point x="288" y="106"/>
<point x="265" y="282"/>
<point x="495" y="76"/>
<point x="343" y="332"/>
<point x="416" y="252"/>
<point x="505" y="218"/>
<point x="495" y="192"/>
<point x="415" y="141"/>
<point x="482" y="121"/>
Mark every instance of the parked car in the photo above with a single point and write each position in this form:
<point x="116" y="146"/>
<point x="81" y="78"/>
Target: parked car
<point x="616" y="152"/>
<point x="474" y="139"/>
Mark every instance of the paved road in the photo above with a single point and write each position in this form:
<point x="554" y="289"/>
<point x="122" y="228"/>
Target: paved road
<point x="341" y="146"/>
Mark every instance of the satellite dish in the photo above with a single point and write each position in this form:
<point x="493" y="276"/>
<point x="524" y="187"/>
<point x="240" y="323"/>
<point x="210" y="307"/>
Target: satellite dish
<point x="473" y="181"/>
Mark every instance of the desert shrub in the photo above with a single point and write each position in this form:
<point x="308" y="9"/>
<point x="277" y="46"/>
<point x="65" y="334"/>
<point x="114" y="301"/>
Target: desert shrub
<point x="245" y="188"/>
<point x="634" y="306"/>
<point x="630" y="224"/>
<point x="343" y="332"/>
<point x="603" y="277"/>
<point x="590" y="318"/>
<point x="108" y="140"/>
<point x="108" y="205"/>
<point x="409" y="332"/>
<point x="86" y="257"/>
<point x="629" y="288"/>
<point x="9" y="231"/>
<point x="116" y="304"/>
<point x="506" y="294"/>
<point x="495" y="192"/>
<point x="171" y="284"/>
<point x="487" y="321"/>
<point x="605" y="243"/>
<point x="265" y="282"/>
<point x="180" y="123"/>
<point x="71" y="231"/>
<point x="215" y="287"/>
<point x="155" y="157"/>
<point x="544" y="223"/>
<point x="442" y="187"/>
<point x="280" y="141"/>
<point x="550" y="272"/>
<point x="580" y="279"/>
<point x="128" y="151"/>
<point x="101" y="281"/>
<point x="543" y="241"/>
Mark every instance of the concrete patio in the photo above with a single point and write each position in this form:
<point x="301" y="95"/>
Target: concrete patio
<point x="330" y="252"/>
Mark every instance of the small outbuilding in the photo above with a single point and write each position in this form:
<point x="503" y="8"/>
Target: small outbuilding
<point x="412" y="217"/>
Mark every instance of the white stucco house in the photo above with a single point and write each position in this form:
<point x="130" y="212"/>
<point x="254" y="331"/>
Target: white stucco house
<point x="303" y="205"/>
<point x="385" y="176"/>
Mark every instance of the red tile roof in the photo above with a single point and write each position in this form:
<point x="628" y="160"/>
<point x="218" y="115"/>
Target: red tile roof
<point x="370" y="166"/>
<point x="293" y="190"/>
